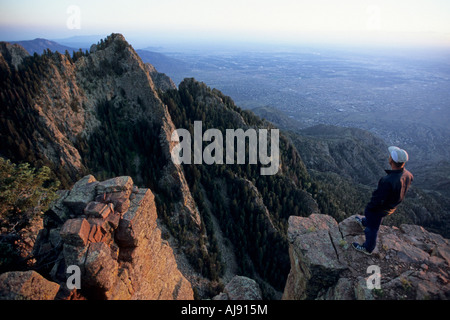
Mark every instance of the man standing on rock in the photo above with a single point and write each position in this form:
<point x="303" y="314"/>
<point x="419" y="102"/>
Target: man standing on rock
<point x="385" y="199"/>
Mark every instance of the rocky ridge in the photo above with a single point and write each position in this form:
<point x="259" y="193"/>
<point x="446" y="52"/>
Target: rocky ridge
<point x="12" y="55"/>
<point x="412" y="262"/>
<point x="68" y="96"/>
<point x="63" y="114"/>
<point x="26" y="285"/>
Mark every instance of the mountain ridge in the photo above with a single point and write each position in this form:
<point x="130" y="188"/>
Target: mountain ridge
<point x="85" y="82"/>
<point x="39" y="45"/>
<point x="107" y="113"/>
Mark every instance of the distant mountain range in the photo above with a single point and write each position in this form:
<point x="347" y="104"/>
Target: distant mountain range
<point x="163" y="63"/>
<point x="39" y="45"/>
<point x="83" y="42"/>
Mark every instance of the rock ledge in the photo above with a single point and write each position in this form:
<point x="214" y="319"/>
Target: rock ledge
<point x="412" y="262"/>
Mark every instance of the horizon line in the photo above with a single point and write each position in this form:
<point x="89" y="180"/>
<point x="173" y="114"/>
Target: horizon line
<point x="355" y="41"/>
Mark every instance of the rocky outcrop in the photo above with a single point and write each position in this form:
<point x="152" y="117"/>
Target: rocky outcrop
<point x="110" y="231"/>
<point x="26" y="285"/>
<point x="11" y="54"/>
<point x="65" y="105"/>
<point x="409" y="262"/>
<point x="240" y="288"/>
<point x="161" y="80"/>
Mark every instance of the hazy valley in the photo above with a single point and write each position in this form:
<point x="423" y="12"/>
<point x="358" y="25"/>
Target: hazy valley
<point x="376" y="90"/>
<point x="400" y="95"/>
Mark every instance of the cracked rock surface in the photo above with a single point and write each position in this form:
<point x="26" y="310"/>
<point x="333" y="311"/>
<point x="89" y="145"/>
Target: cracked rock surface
<point x="412" y="262"/>
<point x="109" y="230"/>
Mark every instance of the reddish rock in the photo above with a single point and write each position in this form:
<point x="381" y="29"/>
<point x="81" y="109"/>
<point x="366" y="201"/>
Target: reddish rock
<point x="98" y="209"/>
<point x="140" y="218"/>
<point x="75" y="232"/>
<point x="100" y="230"/>
<point x="113" y="220"/>
<point x="96" y="234"/>
<point x="121" y="255"/>
<point x="100" y="267"/>
<point x="120" y="200"/>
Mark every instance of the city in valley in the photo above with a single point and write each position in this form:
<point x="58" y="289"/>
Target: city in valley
<point x="401" y="96"/>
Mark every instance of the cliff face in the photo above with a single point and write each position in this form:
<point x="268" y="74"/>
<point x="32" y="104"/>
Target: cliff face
<point x="352" y="153"/>
<point x="12" y="55"/>
<point x="52" y="115"/>
<point x="412" y="262"/>
<point x="110" y="231"/>
<point x="59" y="97"/>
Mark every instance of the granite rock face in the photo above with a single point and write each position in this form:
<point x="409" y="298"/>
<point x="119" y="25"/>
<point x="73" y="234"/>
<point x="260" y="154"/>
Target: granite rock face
<point x="240" y="288"/>
<point x="26" y="285"/>
<point x="120" y="252"/>
<point x="408" y="262"/>
<point x="12" y="54"/>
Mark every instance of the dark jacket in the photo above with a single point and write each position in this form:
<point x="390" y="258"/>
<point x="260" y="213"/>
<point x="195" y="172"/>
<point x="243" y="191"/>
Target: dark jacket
<point x="390" y="192"/>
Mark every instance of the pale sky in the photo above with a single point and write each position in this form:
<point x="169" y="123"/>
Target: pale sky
<point x="389" y="21"/>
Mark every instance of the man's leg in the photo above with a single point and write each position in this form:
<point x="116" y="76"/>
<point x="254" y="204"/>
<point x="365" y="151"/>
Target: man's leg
<point x="371" y="238"/>
<point x="372" y="222"/>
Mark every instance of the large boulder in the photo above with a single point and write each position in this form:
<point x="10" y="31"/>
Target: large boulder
<point x="26" y="285"/>
<point x="81" y="194"/>
<point x="240" y="288"/>
<point x="314" y="260"/>
<point x="75" y="232"/>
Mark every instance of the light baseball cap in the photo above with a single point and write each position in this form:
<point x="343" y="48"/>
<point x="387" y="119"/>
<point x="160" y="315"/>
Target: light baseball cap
<point x="398" y="155"/>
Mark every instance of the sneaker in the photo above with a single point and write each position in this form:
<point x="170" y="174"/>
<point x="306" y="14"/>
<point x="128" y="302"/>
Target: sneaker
<point x="360" y="222"/>
<point x="361" y="248"/>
